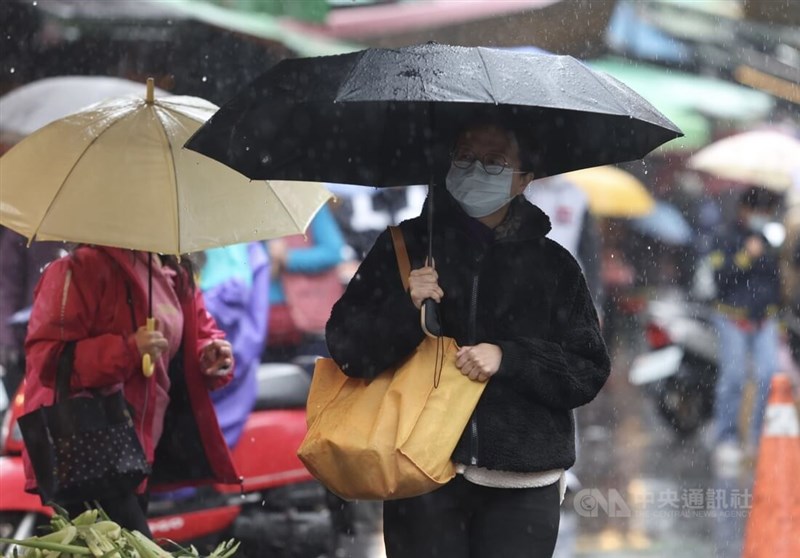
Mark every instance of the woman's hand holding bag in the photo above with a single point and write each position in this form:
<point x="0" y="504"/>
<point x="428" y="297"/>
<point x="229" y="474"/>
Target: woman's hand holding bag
<point x="391" y="437"/>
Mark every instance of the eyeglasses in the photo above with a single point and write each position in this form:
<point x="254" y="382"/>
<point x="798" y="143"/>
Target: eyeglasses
<point x="492" y="163"/>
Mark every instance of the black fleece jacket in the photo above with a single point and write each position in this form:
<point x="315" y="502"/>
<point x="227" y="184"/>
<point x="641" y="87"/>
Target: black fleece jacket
<point x="531" y="300"/>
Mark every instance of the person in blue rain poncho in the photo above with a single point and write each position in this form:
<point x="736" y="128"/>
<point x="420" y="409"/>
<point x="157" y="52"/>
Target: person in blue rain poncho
<point x="235" y="285"/>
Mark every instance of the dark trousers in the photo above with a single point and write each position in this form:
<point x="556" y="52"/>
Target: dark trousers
<point x="464" y="520"/>
<point x="130" y="511"/>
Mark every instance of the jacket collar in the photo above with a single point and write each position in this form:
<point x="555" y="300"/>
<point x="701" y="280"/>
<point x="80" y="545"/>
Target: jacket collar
<point x="524" y="220"/>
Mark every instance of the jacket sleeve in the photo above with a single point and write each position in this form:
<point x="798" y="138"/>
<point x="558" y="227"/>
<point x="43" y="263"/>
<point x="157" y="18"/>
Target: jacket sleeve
<point x="730" y="262"/>
<point x="207" y="331"/>
<point x="569" y="370"/>
<point x="375" y="324"/>
<point x="66" y="308"/>
<point x="326" y="251"/>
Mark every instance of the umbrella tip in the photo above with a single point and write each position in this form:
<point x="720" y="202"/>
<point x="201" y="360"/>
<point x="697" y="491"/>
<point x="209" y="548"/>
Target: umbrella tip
<point x="151" y="86"/>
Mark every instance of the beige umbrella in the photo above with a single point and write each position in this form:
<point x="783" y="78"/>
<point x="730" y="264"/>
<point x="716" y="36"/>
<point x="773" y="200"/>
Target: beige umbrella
<point x="613" y="192"/>
<point x="116" y="174"/>
<point x="765" y="158"/>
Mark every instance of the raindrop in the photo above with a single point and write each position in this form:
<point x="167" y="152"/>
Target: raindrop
<point x="205" y="79"/>
<point x="35" y="3"/>
<point x="266" y="159"/>
<point x="12" y="70"/>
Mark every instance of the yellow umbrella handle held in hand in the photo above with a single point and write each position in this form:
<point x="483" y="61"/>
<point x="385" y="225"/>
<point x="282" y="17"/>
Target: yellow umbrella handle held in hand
<point x="148" y="366"/>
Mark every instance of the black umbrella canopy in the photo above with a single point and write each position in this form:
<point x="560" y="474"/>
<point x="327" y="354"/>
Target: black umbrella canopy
<point x="389" y="117"/>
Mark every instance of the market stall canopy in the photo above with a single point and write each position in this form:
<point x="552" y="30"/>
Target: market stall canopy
<point x="689" y="100"/>
<point x="265" y="26"/>
<point x="471" y="23"/>
<point x="787" y="13"/>
<point x="256" y="23"/>
<point x="631" y="34"/>
<point x="750" y="42"/>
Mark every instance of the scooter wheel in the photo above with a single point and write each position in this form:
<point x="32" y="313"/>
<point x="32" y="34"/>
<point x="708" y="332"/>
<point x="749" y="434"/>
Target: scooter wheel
<point x="18" y="525"/>
<point x="681" y="407"/>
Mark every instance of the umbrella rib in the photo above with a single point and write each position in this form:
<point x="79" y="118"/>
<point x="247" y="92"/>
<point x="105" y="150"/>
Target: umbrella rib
<point x="289" y="213"/>
<point x="488" y="76"/>
<point x="72" y="169"/>
<point x="171" y="156"/>
<point x="620" y="107"/>
<point x="346" y="79"/>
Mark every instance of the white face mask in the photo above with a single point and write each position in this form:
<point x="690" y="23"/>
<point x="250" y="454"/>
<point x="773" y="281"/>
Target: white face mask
<point x="478" y="192"/>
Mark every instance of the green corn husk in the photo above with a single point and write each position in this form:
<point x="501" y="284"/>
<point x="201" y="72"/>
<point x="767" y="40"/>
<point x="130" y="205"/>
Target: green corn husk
<point x="34" y="543"/>
<point x="89" y="517"/>
<point x="92" y="533"/>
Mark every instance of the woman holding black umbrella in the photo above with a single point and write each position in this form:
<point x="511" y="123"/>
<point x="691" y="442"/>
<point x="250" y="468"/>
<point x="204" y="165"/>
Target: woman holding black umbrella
<point x="518" y="305"/>
<point x="515" y="301"/>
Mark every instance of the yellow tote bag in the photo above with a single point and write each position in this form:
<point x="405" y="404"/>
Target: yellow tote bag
<point x="391" y="437"/>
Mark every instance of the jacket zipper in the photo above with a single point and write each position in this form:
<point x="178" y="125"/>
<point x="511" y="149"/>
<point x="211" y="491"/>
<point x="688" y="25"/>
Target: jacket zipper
<point x="473" y="316"/>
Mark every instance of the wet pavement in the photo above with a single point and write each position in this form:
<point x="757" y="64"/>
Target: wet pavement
<point x="648" y="492"/>
<point x="645" y="492"/>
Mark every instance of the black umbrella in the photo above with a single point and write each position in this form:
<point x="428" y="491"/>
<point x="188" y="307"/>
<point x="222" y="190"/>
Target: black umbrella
<point x="388" y="117"/>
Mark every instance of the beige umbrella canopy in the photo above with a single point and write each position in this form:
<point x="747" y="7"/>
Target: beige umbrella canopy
<point x="116" y="174"/>
<point x="764" y="157"/>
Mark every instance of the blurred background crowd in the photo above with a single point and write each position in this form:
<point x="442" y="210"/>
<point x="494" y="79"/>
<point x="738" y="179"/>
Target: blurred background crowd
<point x="646" y="233"/>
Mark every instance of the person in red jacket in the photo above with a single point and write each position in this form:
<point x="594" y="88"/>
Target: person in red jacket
<point x="97" y="297"/>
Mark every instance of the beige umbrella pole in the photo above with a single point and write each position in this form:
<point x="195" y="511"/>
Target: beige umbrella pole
<point x="148" y="366"/>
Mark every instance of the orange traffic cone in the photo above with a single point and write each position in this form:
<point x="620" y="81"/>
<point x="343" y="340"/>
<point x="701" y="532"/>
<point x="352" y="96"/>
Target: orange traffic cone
<point x="773" y="528"/>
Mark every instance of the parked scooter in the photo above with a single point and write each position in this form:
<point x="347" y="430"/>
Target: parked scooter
<point x="279" y="511"/>
<point x="680" y="369"/>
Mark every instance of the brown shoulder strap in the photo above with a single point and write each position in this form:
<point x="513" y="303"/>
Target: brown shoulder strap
<point x="403" y="263"/>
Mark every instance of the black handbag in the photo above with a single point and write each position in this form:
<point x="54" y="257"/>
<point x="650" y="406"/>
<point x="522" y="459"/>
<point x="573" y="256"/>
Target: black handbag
<point x="82" y="448"/>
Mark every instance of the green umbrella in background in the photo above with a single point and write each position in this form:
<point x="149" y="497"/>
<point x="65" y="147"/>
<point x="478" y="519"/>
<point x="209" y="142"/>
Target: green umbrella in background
<point x="688" y="100"/>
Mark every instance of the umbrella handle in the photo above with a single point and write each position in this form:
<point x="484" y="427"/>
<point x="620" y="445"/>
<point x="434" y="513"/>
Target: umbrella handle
<point x="148" y="367"/>
<point x="429" y="318"/>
